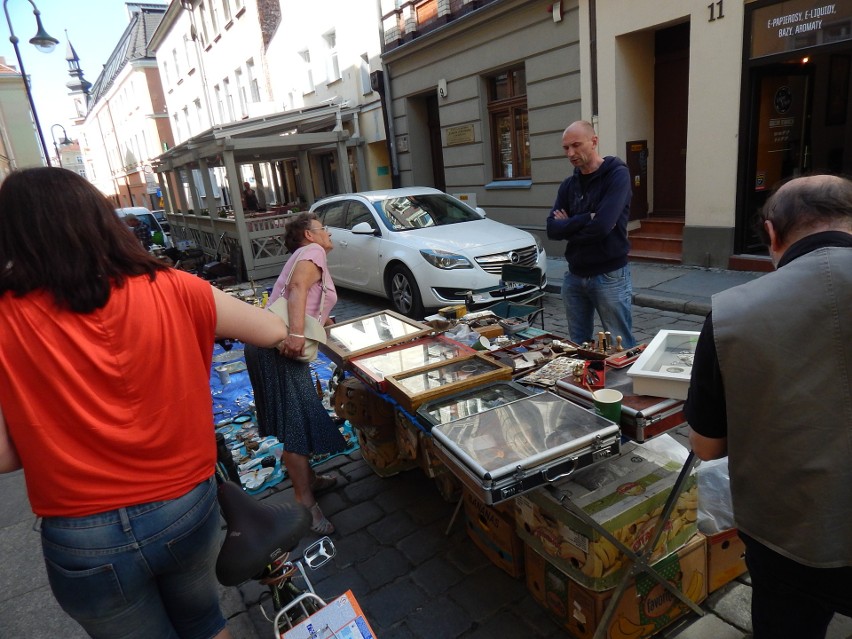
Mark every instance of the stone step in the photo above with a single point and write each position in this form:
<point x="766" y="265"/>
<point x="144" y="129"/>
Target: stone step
<point x="660" y="243"/>
<point x="667" y="257"/>
<point x="661" y="226"/>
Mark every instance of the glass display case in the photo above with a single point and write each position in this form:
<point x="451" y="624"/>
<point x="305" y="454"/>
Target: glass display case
<point x="665" y="366"/>
<point x="536" y="440"/>
<point x="367" y="333"/>
<point x="413" y="388"/>
<point x="373" y="367"/>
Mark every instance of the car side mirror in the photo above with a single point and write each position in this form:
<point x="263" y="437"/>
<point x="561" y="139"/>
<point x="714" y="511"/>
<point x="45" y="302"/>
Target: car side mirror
<point x="481" y="211"/>
<point x="364" y="228"/>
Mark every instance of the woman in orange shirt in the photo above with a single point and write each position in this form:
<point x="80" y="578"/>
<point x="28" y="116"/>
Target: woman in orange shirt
<point x="105" y="358"/>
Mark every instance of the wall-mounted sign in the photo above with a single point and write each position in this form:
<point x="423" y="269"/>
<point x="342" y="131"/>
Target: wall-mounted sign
<point x="462" y="134"/>
<point x="799" y="24"/>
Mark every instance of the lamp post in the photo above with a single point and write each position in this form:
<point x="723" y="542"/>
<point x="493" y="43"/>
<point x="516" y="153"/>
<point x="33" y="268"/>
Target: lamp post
<point x="62" y="142"/>
<point x="44" y="43"/>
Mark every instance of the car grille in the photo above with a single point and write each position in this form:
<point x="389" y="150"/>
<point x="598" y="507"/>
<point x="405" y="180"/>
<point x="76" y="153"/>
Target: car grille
<point x="527" y="256"/>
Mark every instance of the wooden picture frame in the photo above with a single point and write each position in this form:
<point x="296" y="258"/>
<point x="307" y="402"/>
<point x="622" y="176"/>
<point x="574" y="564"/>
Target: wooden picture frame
<point x="373" y="367"/>
<point x="837" y="94"/>
<point x="413" y="388"/>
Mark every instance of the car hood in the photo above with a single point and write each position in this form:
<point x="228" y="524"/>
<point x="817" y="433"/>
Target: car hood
<point x="477" y="237"/>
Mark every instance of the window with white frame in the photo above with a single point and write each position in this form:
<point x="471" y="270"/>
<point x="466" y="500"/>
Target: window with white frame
<point x="202" y="8"/>
<point x="166" y="74"/>
<point x="226" y="11"/>
<point x="220" y="103"/>
<point x="214" y="16"/>
<point x="176" y="61"/>
<point x="254" y="86"/>
<point x="332" y="64"/>
<point x="239" y="4"/>
<point x="366" y="87"/>
<point x="199" y="120"/>
<point x="229" y="99"/>
<point x="308" y="71"/>
<point x="178" y="131"/>
<point x="186" y="120"/>
<point x="241" y="91"/>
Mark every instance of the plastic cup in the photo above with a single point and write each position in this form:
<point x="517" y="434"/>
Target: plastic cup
<point x="608" y="404"/>
<point x="224" y="376"/>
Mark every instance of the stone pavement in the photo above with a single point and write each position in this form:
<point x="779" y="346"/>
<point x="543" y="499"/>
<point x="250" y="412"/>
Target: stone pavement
<point x="413" y="573"/>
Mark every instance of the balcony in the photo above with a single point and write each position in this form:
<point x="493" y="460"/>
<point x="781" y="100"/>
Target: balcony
<point x="418" y="17"/>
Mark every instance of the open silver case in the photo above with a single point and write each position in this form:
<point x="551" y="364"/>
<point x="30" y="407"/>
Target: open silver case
<point x="505" y="451"/>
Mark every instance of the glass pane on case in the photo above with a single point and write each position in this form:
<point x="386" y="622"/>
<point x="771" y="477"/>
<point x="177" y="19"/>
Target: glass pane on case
<point x="417" y="383"/>
<point x="418" y="355"/>
<point x="472" y="402"/>
<point x="371" y="331"/>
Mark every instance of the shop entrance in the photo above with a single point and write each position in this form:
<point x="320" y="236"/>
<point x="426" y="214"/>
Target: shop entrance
<point x="782" y="105"/>
<point x="796" y="115"/>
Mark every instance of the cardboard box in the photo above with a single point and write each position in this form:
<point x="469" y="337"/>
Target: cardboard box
<point x="492" y="529"/>
<point x="625" y="496"/>
<point x="725" y="558"/>
<point x="645" y="607"/>
<point x="382" y="455"/>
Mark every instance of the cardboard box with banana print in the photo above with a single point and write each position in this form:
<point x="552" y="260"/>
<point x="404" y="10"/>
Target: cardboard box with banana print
<point x="642" y="611"/>
<point x="625" y="496"/>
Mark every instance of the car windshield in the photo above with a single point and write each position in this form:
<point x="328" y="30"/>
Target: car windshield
<point x="419" y="211"/>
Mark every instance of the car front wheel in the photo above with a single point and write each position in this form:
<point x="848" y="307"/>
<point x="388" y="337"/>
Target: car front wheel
<point x="404" y="293"/>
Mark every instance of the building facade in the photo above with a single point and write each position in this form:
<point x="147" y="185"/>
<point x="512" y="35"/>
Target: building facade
<point x="278" y="95"/>
<point x="709" y="104"/>
<point x="19" y="144"/>
<point x="126" y="125"/>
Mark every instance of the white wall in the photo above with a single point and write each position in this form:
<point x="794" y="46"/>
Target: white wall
<point x="625" y="67"/>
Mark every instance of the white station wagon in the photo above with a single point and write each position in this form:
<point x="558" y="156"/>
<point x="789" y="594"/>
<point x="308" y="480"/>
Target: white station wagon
<point x="421" y="248"/>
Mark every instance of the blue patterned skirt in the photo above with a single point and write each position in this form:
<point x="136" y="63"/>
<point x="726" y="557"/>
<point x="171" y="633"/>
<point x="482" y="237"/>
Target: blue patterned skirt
<point x="288" y="406"/>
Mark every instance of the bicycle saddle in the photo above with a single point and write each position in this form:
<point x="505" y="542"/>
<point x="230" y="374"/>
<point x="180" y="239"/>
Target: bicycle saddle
<point x="257" y="533"/>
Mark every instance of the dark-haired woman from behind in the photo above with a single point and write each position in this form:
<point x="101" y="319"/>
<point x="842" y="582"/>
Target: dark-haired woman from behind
<point x="105" y="358"/>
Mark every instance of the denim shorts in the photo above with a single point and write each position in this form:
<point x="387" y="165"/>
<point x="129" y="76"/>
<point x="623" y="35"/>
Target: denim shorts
<point x="142" y="571"/>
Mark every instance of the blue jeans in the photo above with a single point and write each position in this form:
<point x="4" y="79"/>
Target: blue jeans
<point x="610" y="294"/>
<point x="141" y="571"/>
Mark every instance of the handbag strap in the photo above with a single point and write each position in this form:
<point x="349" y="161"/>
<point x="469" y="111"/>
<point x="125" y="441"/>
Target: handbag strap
<point x="322" y="283"/>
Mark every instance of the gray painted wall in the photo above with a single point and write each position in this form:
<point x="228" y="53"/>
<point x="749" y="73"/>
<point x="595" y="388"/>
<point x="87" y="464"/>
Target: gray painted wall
<point x="464" y="52"/>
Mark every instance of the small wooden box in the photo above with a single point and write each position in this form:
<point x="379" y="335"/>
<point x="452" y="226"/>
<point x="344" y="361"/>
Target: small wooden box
<point x="413" y="388"/>
<point x="373" y="367"/>
<point x="370" y="332"/>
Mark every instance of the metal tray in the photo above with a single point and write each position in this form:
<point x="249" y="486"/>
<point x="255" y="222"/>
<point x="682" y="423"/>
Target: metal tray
<point x="503" y="452"/>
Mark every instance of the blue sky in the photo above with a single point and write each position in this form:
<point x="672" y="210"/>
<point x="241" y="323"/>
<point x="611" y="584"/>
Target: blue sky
<point x="94" y="27"/>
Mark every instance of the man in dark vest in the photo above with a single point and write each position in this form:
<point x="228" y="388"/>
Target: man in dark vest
<point x="772" y="389"/>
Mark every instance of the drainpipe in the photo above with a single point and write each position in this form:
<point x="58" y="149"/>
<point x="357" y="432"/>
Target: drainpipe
<point x="593" y="54"/>
<point x="386" y="100"/>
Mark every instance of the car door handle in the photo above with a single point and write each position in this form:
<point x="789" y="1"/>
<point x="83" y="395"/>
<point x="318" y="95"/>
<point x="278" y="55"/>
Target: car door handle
<point x="343" y="243"/>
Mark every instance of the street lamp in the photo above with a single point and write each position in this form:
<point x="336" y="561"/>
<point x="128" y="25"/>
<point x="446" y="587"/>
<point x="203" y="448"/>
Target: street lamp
<point x="44" y="43"/>
<point x="62" y="142"/>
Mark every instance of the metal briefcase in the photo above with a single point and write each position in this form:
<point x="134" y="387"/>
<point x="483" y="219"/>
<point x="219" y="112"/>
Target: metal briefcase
<point x="508" y="450"/>
<point x="642" y="416"/>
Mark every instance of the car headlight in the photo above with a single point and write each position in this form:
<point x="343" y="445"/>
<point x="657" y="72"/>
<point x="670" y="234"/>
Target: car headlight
<point x="445" y="260"/>
<point x="538" y="244"/>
